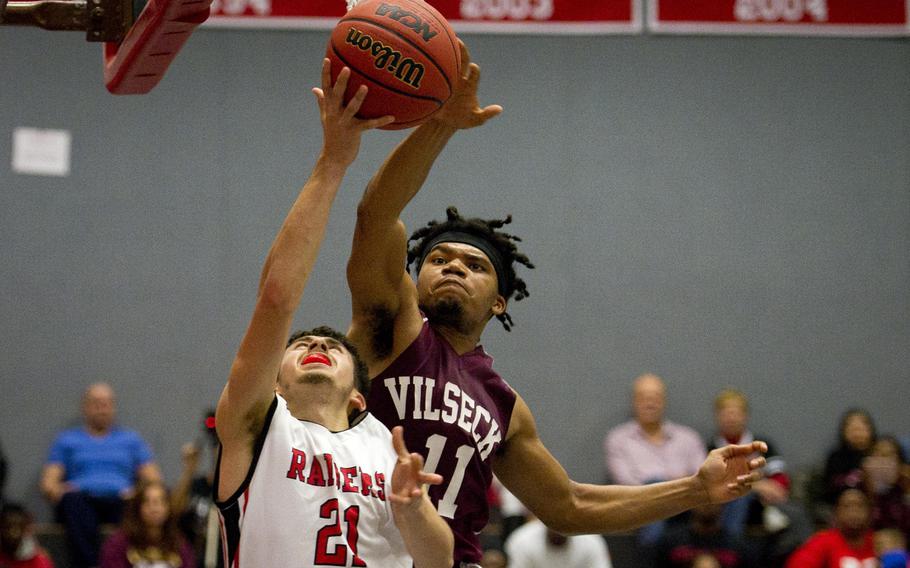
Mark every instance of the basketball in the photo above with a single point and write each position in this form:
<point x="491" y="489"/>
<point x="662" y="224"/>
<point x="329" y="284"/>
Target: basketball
<point x="406" y="54"/>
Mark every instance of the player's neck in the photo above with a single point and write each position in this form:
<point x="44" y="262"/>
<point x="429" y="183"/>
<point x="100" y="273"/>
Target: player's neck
<point x="320" y="411"/>
<point x="461" y="342"/>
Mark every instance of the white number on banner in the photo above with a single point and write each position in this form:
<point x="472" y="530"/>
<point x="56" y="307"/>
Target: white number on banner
<point x="777" y="10"/>
<point x="463" y="455"/>
<point x="237" y="7"/>
<point x="507" y="9"/>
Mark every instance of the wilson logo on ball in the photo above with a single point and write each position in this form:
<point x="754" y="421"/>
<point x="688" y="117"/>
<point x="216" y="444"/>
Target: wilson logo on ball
<point x="407" y="19"/>
<point x="405" y="69"/>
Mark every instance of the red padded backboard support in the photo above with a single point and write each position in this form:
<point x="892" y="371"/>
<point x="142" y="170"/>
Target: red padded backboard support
<point x="135" y="65"/>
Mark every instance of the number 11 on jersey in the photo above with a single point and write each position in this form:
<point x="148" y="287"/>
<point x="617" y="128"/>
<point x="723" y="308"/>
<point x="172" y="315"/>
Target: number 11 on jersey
<point x="435" y="444"/>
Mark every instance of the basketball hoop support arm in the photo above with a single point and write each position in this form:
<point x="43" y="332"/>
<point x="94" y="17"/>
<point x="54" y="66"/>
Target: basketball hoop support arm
<point x="136" y="52"/>
<point x="101" y="20"/>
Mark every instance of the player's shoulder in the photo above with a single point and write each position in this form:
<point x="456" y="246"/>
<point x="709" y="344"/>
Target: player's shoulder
<point x="369" y="426"/>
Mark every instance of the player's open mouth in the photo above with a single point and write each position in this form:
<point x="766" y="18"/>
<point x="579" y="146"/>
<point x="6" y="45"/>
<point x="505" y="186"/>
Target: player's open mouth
<point x="320" y="358"/>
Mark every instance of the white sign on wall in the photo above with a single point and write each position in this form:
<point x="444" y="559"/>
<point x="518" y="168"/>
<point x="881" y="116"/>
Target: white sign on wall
<point x="40" y="151"/>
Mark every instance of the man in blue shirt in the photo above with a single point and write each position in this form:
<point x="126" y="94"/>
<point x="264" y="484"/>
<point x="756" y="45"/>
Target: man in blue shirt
<point x="91" y="470"/>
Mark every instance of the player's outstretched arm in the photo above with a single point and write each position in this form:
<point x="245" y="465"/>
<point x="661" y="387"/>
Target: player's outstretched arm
<point x="380" y="289"/>
<point x="426" y="535"/>
<point x="529" y="471"/>
<point x="250" y="387"/>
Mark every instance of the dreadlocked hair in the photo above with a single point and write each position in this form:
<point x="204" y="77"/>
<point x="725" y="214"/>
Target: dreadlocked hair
<point x="487" y="229"/>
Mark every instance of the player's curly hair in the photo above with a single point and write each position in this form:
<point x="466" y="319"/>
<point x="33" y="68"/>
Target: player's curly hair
<point x="486" y="229"/>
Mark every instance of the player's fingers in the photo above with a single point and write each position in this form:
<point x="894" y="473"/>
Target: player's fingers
<point x="732" y="451"/>
<point x="398" y="443"/>
<point x="472" y="77"/>
<point x="757" y="463"/>
<point x="481" y="116"/>
<point x="416" y="460"/>
<point x="465" y="57"/>
<point x="400" y="499"/>
<point x="378" y="122"/>
<point x="744" y="482"/>
<point x="431" y="478"/>
<point x="353" y="106"/>
<point x="489" y="112"/>
<point x="341" y="83"/>
<point x="326" y="74"/>
<point x="750" y="478"/>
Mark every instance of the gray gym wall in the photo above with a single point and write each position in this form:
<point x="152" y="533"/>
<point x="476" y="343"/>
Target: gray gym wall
<point x="718" y="210"/>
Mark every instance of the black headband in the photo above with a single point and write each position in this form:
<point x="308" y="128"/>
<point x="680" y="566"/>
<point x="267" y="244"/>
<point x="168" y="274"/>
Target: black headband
<point x="491" y="252"/>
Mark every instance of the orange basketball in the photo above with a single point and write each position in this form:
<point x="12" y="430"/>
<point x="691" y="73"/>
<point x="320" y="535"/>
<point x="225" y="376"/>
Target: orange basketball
<point x="406" y="54"/>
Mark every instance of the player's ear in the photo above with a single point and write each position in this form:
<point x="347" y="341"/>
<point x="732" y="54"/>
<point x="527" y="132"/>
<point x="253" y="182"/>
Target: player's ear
<point x="356" y="401"/>
<point x="499" y="305"/>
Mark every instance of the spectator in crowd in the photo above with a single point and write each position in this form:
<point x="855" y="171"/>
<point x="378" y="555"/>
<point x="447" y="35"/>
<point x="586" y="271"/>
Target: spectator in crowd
<point x="533" y="545"/>
<point x="91" y="470"/>
<point x="649" y="448"/>
<point x="702" y="540"/>
<point x="848" y="543"/>
<point x="192" y="500"/>
<point x="844" y="465"/>
<point x="18" y="546"/>
<point x="891" y="548"/>
<point x="887" y="482"/>
<point x="706" y="561"/>
<point x="775" y="524"/>
<point x="148" y="536"/>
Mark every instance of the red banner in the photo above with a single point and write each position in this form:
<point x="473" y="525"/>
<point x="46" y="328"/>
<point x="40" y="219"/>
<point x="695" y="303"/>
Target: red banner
<point x="500" y="16"/>
<point x="780" y="17"/>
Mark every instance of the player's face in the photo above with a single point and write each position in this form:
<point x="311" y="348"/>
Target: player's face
<point x="313" y="360"/>
<point x="459" y="278"/>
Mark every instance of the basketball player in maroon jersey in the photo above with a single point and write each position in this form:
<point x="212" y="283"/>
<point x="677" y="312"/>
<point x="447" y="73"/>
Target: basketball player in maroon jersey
<point x="421" y="344"/>
<point x="299" y="482"/>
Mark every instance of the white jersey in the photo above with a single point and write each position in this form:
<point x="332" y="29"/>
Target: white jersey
<point x="314" y="498"/>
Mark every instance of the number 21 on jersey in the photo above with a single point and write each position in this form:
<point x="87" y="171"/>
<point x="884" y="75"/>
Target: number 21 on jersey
<point x="338" y="555"/>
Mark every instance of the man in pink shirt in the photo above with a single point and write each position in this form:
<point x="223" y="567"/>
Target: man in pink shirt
<point x="649" y="448"/>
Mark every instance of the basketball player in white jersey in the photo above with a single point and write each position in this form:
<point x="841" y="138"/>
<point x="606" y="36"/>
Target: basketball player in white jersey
<point x="306" y="477"/>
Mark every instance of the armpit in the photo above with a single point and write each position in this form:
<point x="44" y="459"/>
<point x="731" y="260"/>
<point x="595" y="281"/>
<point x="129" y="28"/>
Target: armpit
<point x="381" y="323"/>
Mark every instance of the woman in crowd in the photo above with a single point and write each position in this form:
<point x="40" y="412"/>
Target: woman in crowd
<point x="148" y="536"/>
<point x="844" y="466"/>
<point x="887" y="482"/>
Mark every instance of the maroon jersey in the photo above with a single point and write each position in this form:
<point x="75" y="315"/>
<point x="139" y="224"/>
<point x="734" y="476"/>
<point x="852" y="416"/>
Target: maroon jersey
<point x="455" y="411"/>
